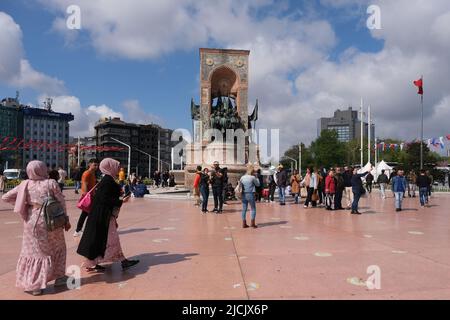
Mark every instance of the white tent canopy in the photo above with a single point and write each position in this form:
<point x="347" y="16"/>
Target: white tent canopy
<point x="381" y="166"/>
<point x="366" y="168"/>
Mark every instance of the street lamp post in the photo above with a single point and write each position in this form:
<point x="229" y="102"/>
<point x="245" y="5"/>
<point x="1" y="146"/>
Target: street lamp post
<point x="129" y="154"/>
<point x="149" y="162"/>
<point x="292" y="160"/>
<point x="300" y="158"/>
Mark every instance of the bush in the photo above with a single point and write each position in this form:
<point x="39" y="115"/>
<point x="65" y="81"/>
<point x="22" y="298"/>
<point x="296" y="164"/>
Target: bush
<point x="11" y="184"/>
<point x="147" y="181"/>
<point x="69" y="183"/>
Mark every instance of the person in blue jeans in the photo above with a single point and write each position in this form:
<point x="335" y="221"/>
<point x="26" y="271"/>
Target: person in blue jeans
<point x="357" y="189"/>
<point x="422" y="183"/>
<point x="204" y="189"/>
<point x="248" y="183"/>
<point x="399" y="189"/>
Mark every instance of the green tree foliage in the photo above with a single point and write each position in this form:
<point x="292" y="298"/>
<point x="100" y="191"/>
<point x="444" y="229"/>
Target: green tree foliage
<point x="411" y="160"/>
<point x="293" y="152"/>
<point x="327" y="150"/>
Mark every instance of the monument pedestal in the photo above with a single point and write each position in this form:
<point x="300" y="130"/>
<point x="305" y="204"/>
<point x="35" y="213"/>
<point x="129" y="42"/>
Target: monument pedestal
<point x="228" y="155"/>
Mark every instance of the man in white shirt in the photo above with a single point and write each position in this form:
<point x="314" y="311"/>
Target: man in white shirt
<point x="62" y="177"/>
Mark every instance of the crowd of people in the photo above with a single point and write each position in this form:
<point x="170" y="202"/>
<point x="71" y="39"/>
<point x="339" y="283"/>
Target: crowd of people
<point x="43" y="253"/>
<point x="334" y="189"/>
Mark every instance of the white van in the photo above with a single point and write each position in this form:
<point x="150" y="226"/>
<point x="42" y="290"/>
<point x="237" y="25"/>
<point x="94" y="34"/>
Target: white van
<point x="11" y="174"/>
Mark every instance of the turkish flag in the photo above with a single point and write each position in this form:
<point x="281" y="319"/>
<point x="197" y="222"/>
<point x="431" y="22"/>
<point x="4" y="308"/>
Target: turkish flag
<point x="419" y="84"/>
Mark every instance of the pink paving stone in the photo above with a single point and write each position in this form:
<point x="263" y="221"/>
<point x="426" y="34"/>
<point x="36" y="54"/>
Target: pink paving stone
<point x="191" y="258"/>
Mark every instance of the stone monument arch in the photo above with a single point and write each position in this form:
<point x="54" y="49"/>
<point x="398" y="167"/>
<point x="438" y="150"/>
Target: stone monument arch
<point x="223" y="109"/>
<point x="224" y="72"/>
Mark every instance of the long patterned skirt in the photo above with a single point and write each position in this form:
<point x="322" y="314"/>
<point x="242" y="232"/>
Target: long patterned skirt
<point x="113" y="252"/>
<point x="43" y="255"/>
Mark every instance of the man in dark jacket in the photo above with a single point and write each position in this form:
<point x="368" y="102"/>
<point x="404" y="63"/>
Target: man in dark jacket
<point x="340" y="187"/>
<point x="369" y="181"/>
<point x="399" y="188"/>
<point x="422" y="183"/>
<point x="217" y="187"/>
<point x="382" y="181"/>
<point x="357" y="189"/>
<point x="77" y="178"/>
<point x="281" y="183"/>
<point x="347" y="175"/>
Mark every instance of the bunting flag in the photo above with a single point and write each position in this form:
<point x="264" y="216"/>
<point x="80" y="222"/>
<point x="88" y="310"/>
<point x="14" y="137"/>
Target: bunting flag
<point x="13" y="143"/>
<point x="419" y="84"/>
<point x="448" y="137"/>
<point x="441" y="142"/>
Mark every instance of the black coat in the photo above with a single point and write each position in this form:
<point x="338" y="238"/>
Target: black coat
<point x="282" y="178"/>
<point x="95" y="236"/>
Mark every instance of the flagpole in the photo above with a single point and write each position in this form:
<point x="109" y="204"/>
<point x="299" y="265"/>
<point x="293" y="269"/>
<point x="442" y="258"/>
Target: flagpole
<point x="369" y="135"/>
<point x="421" y="130"/>
<point x="362" y="134"/>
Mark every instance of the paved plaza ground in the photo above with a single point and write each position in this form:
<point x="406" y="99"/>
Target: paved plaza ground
<point x="295" y="253"/>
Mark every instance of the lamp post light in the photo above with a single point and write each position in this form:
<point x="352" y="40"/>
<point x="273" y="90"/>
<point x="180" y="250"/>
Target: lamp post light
<point x="129" y="154"/>
<point x="296" y="167"/>
<point x="149" y="162"/>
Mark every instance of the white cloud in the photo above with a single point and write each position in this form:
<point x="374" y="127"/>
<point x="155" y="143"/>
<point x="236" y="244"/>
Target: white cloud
<point x="290" y="70"/>
<point x="15" y="70"/>
<point x="135" y="114"/>
<point x="86" y="117"/>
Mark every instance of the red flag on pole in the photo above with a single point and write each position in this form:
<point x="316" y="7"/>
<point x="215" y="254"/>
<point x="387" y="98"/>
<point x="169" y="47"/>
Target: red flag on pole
<point x="419" y="84"/>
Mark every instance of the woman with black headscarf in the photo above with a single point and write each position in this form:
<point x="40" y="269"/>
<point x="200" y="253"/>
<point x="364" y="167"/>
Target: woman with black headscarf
<point x="100" y="242"/>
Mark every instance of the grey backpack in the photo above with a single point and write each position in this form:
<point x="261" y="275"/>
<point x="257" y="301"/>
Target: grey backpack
<point x="54" y="213"/>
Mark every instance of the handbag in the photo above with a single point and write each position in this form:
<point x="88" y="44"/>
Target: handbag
<point x="54" y="214"/>
<point x="303" y="192"/>
<point x="315" y="196"/>
<point x="85" y="202"/>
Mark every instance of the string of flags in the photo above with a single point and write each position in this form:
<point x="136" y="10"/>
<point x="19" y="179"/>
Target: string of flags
<point x="12" y="143"/>
<point x="433" y="142"/>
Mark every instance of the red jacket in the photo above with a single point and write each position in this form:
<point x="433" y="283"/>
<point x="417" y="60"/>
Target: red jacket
<point x="196" y="181"/>
<point x="330" y="185"/>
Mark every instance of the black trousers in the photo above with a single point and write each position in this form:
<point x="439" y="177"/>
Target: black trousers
<point x="81" y="220"/>
<point x="321" y="195"/>
<point x="218" y="198"/>
<point x="338" y="199"/>
<point x="272" y="189"/>
<point x="309" y="197"/>
<point x="369" y="187"/>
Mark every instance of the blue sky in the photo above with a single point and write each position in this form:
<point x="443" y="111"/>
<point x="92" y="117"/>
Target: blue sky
<point x="162" y="81"/>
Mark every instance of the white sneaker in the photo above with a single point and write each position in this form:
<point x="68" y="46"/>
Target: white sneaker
<point x="77" y="234"/>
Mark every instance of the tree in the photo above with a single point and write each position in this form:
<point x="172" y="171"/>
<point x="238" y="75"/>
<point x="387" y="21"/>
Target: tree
<point x="412" y="157"/>
<point x="293" y="153"/>
<point x="327" y="150"/>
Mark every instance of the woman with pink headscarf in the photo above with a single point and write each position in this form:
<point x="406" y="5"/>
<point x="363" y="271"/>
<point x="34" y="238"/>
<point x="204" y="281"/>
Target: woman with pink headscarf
<point x="43" y="255"/>
<point x="100" y="242"/>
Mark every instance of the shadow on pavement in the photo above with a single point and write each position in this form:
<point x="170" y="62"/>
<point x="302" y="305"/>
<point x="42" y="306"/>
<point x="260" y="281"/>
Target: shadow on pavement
<point x="115" y="274"/>
<point x="137" y="230"/>
<point x="269" y="224"/>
